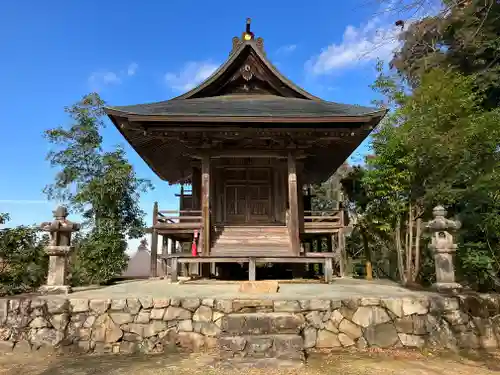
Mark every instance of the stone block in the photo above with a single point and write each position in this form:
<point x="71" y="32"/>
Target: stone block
<point x="370" y="315"/>
<point x="99" y="306"/>
<point x="263" y="287"/>
<point x="224" y="305"/>
<point x="287" y="306"/>
<point x="157" y="314"/>
<point x="161" y="303"/>
<point x="232" y="343"/>
<point x="118" y="304"/>
<point x="350" y="329"/>
<point x="106" y="330"/>
<point x="133" y="305"/>
<point x="418" y="306"/>
<point x="315" y="304"/>
<point x="208" y="302"/>
<point x="327" y="339"/>
<point x="262" y="323"/>
<point x="39" y="322"/>
<point x="411" y="341"/>
<point x="185" y="326"/>
<point x="153" y="328"/>
<point x="345" y="340"/>
<point x="252" y="305"/>
<point x="56" y="306"/>
<point x="315" y="319"/>
<point x="146" y="302"/>
<point x="382" y="335"/>
<point x="190" y="304"/>
<point x="310" y="336"/>
<point x="79" y="305"/>
<point x="121" y="317"/>
<point x="175" y="302"/>
<point x="203" y="314"/>
<point x="4" y="310"/>
<point x="143" y="317"/>
<point x="176" y="313"/>
<point x="394" y="305"/>
<point x="258" y="345"/>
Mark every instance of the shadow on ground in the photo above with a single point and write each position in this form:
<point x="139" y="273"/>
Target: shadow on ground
<point x="345" y="363"/>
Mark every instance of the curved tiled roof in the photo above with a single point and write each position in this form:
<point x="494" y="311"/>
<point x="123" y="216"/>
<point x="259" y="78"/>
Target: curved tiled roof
<point x="246" y="105"/>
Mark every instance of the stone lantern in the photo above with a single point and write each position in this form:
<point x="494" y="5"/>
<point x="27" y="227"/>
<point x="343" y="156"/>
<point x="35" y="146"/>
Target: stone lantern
<point x="443" y="247"/>
<point x="58" y="250"/>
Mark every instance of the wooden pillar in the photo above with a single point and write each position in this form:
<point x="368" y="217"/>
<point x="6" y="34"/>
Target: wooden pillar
<point x="153" y="272"/>
<point x="174" y="270"/>
<point x="328" y="269"/>
<point x="300" y="198"/>
<point x="342" y="253"/>
<point x="293" y="220"/>
<point x="205" y="203"/>
<point x="251" y="269"/>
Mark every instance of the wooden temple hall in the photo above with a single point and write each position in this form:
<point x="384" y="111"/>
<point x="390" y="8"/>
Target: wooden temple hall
<point x="249" y="142"/>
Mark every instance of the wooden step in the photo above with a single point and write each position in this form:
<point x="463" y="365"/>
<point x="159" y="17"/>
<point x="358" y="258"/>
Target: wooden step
<point x="252" y="241"/>
<point x="233" y="229"/>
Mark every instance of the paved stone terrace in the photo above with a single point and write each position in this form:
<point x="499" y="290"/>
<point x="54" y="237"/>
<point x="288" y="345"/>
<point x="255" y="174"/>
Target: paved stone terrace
<point x="340" y="289"/>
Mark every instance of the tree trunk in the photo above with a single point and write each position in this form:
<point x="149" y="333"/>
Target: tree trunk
<point x="368" y="257"/>
<point x="409" y="246"/>
<point x="417" y="248"/>
<point x="399" y="251"/>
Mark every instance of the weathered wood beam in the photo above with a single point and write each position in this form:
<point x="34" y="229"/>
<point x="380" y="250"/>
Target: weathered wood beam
<point x="154" y="244"/>
<point x="205" y="203"/>
<point x="293" y="220"/>
<point x="218" y="154"/>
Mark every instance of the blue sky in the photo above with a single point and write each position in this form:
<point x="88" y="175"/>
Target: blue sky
<point x="53" y="52"/>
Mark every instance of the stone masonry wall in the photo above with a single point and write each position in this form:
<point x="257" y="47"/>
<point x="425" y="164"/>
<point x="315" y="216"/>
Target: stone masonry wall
<point x="154" y="325"/>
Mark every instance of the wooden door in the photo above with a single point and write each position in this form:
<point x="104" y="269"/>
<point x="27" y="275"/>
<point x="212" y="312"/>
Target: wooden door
<point x="259" y="204"/>
<point x="236" y="204"/>
<point x="248" y="196"/>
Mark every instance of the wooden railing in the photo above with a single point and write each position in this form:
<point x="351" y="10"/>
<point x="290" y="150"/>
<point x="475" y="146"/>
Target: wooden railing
<point x="318" y="220"/>
<point x="177" y="219"/>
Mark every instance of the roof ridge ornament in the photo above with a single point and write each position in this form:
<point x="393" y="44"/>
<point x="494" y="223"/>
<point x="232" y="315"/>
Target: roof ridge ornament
<point x="247" y="36"/>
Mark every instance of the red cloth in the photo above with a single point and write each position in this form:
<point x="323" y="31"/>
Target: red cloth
<point x="193" y="249"/>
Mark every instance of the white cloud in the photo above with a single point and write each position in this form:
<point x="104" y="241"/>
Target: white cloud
<point x="132" y="69"/>
<point x="101" y="78"/>
<point x="289" y="48"/>
<point x="375" y="39"/>
<point x="190" y="75"/>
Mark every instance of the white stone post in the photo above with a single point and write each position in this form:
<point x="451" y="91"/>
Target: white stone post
<point x="58" y="250"/>
<point x="443" y="247"/>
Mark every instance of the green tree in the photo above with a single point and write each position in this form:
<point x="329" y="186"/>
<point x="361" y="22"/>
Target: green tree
<point x="101" y="185"/>
<point x="440" y="145"/>
<point x="464" y="37"/>
<point x="23" y="264"/>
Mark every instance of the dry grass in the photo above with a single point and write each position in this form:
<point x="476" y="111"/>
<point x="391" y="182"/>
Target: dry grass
<point x="367" y="363"/>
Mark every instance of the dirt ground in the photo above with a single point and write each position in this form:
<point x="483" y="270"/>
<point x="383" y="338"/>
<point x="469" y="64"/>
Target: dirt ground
<point x="369" y="363"/>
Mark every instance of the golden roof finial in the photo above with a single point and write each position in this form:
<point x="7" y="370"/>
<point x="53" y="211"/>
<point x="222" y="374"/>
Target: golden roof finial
<point x="248" y="35"/>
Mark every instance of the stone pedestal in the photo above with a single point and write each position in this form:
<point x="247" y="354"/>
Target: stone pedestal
<point x="58" y="251"/>
<point x="443" y="247"/>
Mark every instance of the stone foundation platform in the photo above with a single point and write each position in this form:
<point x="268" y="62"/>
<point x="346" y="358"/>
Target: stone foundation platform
<point x="248" y="327"/>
